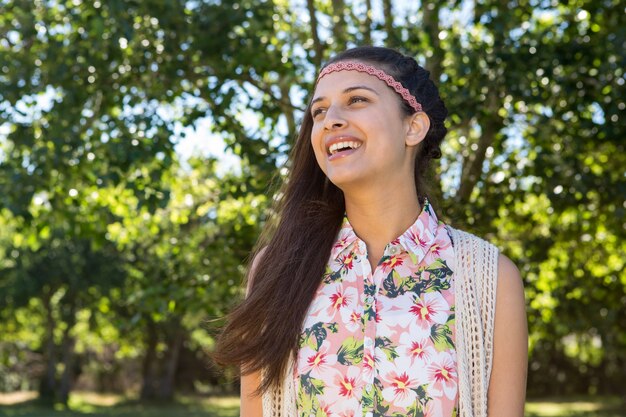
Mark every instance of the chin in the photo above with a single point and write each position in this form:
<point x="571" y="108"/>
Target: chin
<point x="347" y="182"/>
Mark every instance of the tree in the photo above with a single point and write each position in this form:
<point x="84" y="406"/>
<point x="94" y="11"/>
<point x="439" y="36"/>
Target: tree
<point x="93" y="97"/>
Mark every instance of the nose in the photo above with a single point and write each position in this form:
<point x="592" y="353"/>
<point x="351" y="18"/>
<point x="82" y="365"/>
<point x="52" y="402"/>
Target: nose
<point x="334" y="119"/>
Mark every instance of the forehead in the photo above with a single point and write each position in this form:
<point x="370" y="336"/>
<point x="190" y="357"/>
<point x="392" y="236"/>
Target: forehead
<point x="336" y="82"/>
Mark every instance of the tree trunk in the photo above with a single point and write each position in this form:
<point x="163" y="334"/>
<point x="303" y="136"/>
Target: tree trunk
<point x="317" y="44"/>
<point x="367" y="26"/>
<point x="392" y="41"/>
<point x="174" y="347"/>
<point x="432" y="28"/>
<point x="430" y="19"/>
<point x="67" y="351"/>
<point x="148" y="389"/>
<point x="339" y="24"/>
<point x="472" y="169"/>
<point x="288" y="111"/>
<point x="47" y="386"/>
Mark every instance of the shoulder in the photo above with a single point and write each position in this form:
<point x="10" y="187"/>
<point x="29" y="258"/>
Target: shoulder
<point x="508" y="273"/>
<point x="510" y="312"/>
<point x="473" y="254"/>
<point x="460" y="237"/>
<point x="510" y="294"/>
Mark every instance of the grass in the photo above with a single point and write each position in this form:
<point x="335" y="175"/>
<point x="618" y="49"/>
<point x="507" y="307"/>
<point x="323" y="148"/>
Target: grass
<point x="85" y="404"/>
<point x="576" y="407"/>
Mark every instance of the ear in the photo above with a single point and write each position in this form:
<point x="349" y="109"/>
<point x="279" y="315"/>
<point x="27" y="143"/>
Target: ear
<point x="418" y="125"/>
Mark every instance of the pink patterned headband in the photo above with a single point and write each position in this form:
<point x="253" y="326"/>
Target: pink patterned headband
<point x="380" y="74"/>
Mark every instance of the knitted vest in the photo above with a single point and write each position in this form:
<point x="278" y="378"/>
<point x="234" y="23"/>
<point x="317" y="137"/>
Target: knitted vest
<point x="476" y="276"/>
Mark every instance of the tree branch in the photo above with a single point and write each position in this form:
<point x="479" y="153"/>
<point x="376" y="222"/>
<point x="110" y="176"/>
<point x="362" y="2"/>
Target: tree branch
<point x="339" y="24"/>
<point x="432" y="28"/>
<point x="317" y="44"/>
<point x="367" y="25"/>
<point x="472" y="167"/>
<point x="388" y="13"/>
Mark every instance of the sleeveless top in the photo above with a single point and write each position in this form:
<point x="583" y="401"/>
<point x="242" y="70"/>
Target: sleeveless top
<point x="382" y="342"/>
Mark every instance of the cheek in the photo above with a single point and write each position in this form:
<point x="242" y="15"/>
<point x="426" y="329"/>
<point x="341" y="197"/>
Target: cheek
<point x="316" y="139"/>
<point x="320" y="155"/>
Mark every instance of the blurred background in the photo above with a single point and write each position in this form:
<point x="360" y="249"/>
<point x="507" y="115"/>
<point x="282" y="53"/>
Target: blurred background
<point x="139" y="141"/>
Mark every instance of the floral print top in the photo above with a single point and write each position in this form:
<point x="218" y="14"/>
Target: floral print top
<point x="381" y="343"/>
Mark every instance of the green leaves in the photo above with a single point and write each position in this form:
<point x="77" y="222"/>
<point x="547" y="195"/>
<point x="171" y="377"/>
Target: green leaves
<point x="350" y="352"/>
<point x="384" y="344"/>
<point x="315" y="335"/>
<point x="441" y="336"/>
<point x="94" y="95"/>
<point x="312" y="386"/>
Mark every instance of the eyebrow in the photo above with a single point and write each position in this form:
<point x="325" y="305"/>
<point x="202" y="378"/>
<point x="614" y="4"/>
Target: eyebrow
<point x="347" y="90"/>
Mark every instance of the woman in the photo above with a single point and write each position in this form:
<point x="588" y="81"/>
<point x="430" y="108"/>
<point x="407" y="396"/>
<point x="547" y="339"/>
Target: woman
<point x="361" y="302"/>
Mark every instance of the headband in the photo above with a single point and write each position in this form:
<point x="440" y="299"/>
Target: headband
<point x="380" y="74"/>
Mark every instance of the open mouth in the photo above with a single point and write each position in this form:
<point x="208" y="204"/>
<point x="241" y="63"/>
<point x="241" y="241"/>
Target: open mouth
<point x="340" y="147"/>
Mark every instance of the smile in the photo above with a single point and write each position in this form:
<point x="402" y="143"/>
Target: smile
<point x="343" y="146"/>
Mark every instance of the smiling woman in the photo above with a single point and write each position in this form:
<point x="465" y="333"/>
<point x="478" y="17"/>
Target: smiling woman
<point x="360" y="301"/>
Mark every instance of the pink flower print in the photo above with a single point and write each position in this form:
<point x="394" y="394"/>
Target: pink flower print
<point x="418" y="347"/>
<point x="319" y="362"/>
<point x="330" y="299"/>
<point x="344" y="390"/>
<point x="351" y="319"/>
<point x="399" y="383"/>
<point x="390" y="317"/>
<point x="436" y="249"/>
<point x="369" y="366"/>
<point x="347" y="261"/>
<point x="429" y="309"/>
<point x="391" y="262"/>
<point x="343" y="241"/>
<point x="345" y="387"/>
<point x="324" y="409"/>
<point x="437" y="408"/>
<point x="320" y="310"/>
<point x="418" y="350"/>
<point x="418" y="332"/>
<point x="340" y="297"/>
<point x="443" y="374"/>
<point x="433" y="409"/>
<point x="420" y="234"/>
<point x="418" y="239"/>
<point x="440" y="249"/>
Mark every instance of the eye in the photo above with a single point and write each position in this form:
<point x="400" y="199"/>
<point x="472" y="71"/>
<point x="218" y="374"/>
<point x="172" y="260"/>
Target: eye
<point x="357" y="99"/>
<point x="317" y="111"/>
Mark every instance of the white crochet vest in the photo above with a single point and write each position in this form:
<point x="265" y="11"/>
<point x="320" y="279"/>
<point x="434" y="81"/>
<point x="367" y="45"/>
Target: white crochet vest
<point x="476" y="277"/>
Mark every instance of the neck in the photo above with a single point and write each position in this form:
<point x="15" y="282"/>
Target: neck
<point x="379" y="217"/>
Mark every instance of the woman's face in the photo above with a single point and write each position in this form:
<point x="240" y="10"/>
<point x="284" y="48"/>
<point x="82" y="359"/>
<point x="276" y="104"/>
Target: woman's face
<point x="359" y="131"/>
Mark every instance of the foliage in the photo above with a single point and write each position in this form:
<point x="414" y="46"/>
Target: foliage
<point x="109" y="243"/>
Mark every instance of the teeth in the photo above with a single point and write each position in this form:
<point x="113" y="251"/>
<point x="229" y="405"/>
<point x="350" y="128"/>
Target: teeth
<point x="341" y="145"/>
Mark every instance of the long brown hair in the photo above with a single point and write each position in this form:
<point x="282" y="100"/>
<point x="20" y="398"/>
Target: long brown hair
<point x="263" y="331"/>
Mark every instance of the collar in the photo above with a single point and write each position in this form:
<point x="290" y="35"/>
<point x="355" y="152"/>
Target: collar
<point x="417" y="239"/>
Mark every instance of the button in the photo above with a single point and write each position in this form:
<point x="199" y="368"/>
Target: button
<point x="368" y="387"/>
<point x="368" y="342"/>
<point x="393" y="250"/>
<point x="369" y="299"/>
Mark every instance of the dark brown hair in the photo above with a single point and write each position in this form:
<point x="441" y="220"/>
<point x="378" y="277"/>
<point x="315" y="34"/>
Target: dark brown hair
<point x="263" y="331"/>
